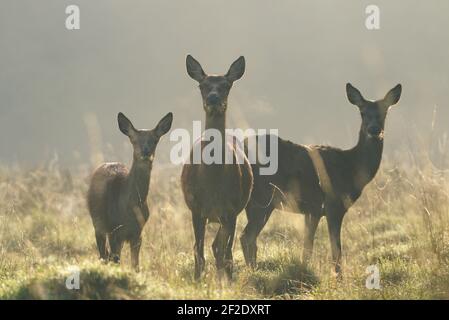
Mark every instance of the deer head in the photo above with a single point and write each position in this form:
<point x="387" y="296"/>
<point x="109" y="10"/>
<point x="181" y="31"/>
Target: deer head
<point x="373" y="112"/>
<point x="215" y="88"/>
<point x="144" y="141"/>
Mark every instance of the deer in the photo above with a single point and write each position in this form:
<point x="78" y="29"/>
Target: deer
<point x="216" y="192"/>
<point x="319" y="180"/>
<point x="117" y="197"/>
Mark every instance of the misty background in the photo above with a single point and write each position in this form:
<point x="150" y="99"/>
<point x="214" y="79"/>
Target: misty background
<point x="60" y="90"/>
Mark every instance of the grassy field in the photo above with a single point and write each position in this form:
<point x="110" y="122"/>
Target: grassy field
<point x="400" y="224"/>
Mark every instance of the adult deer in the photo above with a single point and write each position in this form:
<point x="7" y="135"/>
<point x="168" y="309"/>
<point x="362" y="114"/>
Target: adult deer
<point x="117" y="198"/>
<point x="216" y="192"/>
<point x="319" y="180"/>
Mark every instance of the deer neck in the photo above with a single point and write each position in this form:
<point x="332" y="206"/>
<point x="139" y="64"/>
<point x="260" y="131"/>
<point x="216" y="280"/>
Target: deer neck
<point x="139" y="180"/>
<point x="367" y="157"/>
<point x="216" y="121"/>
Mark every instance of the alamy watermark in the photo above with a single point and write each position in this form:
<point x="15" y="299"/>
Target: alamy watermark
<point x="72" y="21"/>
<point x="209" y="147"/>
<point x="72" y="282"/>
<point x="373" y="279"/>
<point x="372" y="21"/>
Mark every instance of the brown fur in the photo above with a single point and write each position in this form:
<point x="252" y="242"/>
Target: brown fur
<point x="117" y="198"/>
<point x="216" y="192"/>
<point x="319" y="180"/>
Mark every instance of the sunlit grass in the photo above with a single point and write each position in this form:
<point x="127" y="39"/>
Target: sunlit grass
<point x="401" y="224"/>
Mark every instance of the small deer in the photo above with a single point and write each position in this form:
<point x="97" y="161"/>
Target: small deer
<point x="216" y="192"/>
<point x="117" y="198"/>
<point x="319" y="180"/>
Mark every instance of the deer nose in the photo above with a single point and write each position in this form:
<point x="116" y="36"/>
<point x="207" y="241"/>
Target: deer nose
<point x="213" y="99"/>
<point x="374" y="130"/>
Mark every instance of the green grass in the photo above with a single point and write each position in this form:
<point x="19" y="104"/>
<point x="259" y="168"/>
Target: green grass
<point x="401" y="224"/>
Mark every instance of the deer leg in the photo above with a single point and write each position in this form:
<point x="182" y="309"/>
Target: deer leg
<point x="134" y="246"/>
<point x="222" y="247"/>
<point x="311" y="223"/>
<point x="219" y="247"/>
<point x="199" y="228"/>
<point x="116" y="244"/>
<point x="257" y="218"/>
<point x="101" y="245"/>
<point x="334" y="216"/>
<point x="229" y="244"/>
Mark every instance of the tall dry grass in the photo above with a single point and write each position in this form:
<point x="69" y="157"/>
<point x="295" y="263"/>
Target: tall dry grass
<point x="400" y="224"/>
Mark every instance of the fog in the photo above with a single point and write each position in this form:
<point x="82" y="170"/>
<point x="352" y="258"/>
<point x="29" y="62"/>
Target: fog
<point x="61" y="90"/>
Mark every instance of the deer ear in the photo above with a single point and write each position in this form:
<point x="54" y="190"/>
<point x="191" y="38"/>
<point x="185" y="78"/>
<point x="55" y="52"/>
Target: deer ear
<point x="393" y="96"/>
<point x="236" y="70"/>
<point x="354" y="95"/>
<point x="194" y="69"/>
<point x="164" y="125"/>
<point x="125" y="125"/>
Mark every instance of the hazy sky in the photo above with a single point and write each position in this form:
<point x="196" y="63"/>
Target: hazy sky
<point x="129" y="56"/>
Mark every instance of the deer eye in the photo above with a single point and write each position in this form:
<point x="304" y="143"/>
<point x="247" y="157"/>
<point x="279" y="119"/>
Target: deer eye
<point x="204" y="86"/>
<point x="226" y="86"/>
